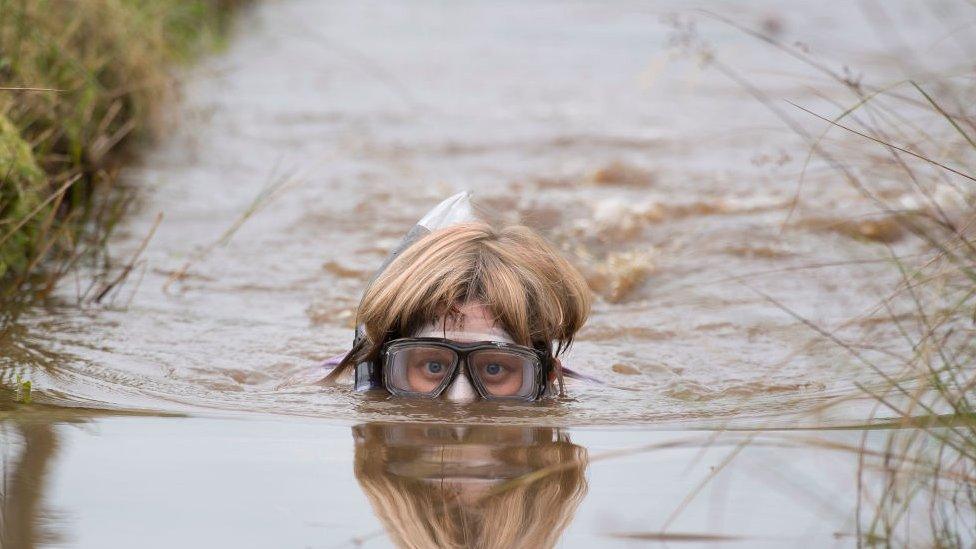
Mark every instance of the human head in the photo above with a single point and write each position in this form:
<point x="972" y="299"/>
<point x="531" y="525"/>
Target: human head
<point x="509" y="280"/>
<point x="470" y="486"/>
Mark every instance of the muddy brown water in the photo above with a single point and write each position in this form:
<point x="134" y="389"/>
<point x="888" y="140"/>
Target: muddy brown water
<point x="304" y="151"/>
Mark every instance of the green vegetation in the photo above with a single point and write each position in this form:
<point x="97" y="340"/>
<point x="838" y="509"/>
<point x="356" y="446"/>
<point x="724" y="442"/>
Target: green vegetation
<point x="25" y="390"/>
<point x="79" y="79"/>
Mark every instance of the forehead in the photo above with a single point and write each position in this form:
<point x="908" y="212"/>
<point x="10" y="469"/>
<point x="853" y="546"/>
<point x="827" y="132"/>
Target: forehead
<point x="474" y="322"/>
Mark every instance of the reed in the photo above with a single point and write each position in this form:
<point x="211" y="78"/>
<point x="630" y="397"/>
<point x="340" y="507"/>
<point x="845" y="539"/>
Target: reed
<point x="79" y="82"/>
<point x="921" y="133"/>
<point x="929" y="488"/>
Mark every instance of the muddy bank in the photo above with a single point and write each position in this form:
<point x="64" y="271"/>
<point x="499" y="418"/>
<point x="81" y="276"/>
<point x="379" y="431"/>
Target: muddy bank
<point x="80" y="81"/>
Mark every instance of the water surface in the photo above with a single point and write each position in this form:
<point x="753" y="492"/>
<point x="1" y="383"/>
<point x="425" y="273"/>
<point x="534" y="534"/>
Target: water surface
<point x="165" y="482"/>
<point x="302" y="153"/>
<point x="305" y="151"/>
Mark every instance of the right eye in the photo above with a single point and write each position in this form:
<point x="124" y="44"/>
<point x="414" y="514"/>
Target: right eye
<point x="419" y="369"/>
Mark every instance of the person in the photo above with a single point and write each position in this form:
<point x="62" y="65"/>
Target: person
<point x="470" y="486"/>
<point x="467" y="312"/>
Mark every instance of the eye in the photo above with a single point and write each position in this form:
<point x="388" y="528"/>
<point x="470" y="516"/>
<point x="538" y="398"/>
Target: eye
<point x="434" y="367"/>
<point x="493" y="369"/>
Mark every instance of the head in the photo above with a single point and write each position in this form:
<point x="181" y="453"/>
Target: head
<point x="471" y="282"/>
<point x="470" y="486"/>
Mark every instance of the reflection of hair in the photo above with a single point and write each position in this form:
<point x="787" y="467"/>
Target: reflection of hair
<point x="533" y="513"/>
<point x="535" y="294"/>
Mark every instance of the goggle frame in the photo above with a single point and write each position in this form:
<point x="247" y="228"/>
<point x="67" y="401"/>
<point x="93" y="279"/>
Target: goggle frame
<point x="461" y="352"/>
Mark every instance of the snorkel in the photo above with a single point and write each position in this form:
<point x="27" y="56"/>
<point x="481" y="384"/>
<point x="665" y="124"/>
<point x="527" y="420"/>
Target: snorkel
<point x="452" y="211"/>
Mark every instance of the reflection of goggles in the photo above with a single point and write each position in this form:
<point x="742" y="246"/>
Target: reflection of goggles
<point x="425" y="366"/>
<point x="462" y="454"/>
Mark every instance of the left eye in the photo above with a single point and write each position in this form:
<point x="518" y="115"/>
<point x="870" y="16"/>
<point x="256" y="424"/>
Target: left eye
<point x="493" y="369"/>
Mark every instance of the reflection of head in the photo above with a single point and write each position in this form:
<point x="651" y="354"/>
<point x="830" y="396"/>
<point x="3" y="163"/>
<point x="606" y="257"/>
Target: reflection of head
<point x="532" y="292"/>
<point x="446" y="486"/>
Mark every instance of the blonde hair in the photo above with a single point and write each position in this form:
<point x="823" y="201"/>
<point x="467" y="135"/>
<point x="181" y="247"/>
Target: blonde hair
<point x="526" y="512"/>
<point x="534" y="293"/>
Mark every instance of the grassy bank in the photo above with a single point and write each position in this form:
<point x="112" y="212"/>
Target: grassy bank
<point x="80" y="80"/>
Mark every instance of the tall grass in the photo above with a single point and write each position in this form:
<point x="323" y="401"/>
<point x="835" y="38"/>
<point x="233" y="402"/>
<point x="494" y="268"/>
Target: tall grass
<point x="80" y="80"/>
<point x="919" y="132"/>
<point x="928" y="490"/>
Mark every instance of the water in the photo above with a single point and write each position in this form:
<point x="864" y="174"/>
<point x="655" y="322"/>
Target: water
<point x="303" y="152"/>
<point x="148" y="482"/>
<point x="665" y="182"/>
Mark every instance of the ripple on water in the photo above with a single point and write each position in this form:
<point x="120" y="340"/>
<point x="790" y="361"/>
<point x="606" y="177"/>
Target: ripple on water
<point x="672" y="199"/>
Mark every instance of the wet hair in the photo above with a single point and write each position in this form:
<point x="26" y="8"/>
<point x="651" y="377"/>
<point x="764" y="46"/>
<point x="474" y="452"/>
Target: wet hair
<point x="533" y="292"/>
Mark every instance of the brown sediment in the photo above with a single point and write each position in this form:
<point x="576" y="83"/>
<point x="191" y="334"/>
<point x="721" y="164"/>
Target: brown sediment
<point x="884" y="229"/>
<point x="542" y="217"/>
<point x="569" y="141"/>
<point x="686" y="389"/>
<point x="321" y="315"/>
<point x="697" y="208"/>
<point x="464" y="148"/>
<point x="373" y="250"/>
<point x="608" y="333"/>
<point x="336" y="268"/>
<point x="625" y="369"/>
<point x="616" y="220"/>
<point x="622" y="174"/>
<point x="498" y="208"/>
<point x="689" y="390"/>
<point x="536" y="214"/>
<point x="709" y="326"/>
<point x="720" y="206"/>
<point x="617" y="276"/>
<point x="554" y="182"/>
<point x="758" y="252"/>
<point x="752" y="388"/>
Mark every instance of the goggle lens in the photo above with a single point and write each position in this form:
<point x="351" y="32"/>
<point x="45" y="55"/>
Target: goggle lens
<point x="426" y="369"/>
<point x="504" y="373"/>
<point x="421" y="369"/>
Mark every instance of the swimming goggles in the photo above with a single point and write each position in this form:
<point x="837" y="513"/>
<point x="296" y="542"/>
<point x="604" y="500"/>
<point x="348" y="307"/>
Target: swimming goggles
<point x="423" y="367"/>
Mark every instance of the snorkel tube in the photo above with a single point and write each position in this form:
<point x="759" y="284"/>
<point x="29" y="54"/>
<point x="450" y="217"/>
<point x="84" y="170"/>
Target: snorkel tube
<point x="452" y="211"/>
